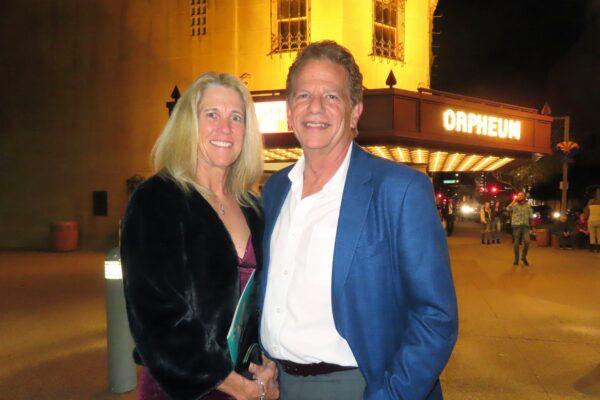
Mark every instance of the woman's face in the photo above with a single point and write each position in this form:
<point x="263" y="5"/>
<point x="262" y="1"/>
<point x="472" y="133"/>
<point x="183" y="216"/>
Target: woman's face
<point x="221" y="124"/>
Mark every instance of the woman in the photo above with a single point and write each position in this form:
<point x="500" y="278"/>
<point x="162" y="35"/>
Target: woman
<point x="485" y="215"/>
<point x="190" y="233"/>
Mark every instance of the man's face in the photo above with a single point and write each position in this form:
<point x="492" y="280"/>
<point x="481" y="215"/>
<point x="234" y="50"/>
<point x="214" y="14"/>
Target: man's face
<point x="520" y="197"/>
<point x="320" y="111"/>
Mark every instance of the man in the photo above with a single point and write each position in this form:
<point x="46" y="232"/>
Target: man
<point x="520" y="221"/>
<point x="357" y="294"/>
<point x="448" y="214"/>
<point x="564" y="231"/>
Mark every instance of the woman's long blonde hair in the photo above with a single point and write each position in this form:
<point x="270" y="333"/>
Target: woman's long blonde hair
<point x="175" y="153"/>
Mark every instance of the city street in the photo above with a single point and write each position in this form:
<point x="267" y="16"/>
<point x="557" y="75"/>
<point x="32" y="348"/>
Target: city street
<point x="525" y="332"/>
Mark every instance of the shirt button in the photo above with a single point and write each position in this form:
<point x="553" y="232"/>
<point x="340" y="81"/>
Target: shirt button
<point x="285" y="272"/>
<point x="278" y="310"/>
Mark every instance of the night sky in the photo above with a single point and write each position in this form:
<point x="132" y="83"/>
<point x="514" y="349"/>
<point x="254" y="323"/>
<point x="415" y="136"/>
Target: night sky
<point x="503" y="50"/>
<point x="527" y="52"/>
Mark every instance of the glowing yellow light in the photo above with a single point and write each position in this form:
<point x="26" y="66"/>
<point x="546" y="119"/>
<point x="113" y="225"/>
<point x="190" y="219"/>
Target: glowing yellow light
<point x="468" y="162"/>
<point x="500" y="163"/>
<point x="272" y="116"/>
<point x="452" y="161"/>
<point x="419" y="156"/>
<point x="437" y="160"/>
<point x="479" y="124"/>
<point x="401" y="154"/>
<point x="380" y="151"/>
<point x="484" y="162"/>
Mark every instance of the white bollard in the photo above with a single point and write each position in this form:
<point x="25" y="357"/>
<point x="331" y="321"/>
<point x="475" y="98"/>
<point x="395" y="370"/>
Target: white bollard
<point x="121" y="367"/>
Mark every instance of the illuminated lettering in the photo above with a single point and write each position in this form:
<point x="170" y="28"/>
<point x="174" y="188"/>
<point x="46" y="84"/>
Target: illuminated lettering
<point x="514" y="129"/>
<point x="461" y="122"/>
<point x="449" y="120"/>
<point x="472" y="121"/>
<point x="485" y="125"/>
<point x="493" y="126"/>
<point x="482" y="125"/>
<point x="503" y="128"/>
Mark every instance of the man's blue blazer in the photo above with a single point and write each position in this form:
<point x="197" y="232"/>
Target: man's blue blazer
<point x="392" y="292"/>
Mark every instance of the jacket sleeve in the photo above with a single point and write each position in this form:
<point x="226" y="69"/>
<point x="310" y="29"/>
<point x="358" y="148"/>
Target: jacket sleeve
<point x="432" y="324"/>
<point x="184" y="355"/>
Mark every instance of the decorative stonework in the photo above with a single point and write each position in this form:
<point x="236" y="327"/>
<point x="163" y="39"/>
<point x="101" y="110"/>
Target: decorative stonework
<point x="198" y="17"/>
<point x="388" y="29"/>
<point x="290" y="25"/>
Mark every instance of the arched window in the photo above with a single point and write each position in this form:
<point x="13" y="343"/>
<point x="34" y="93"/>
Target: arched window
<point x="388" y="29"/>
<point x="290" y="25"/>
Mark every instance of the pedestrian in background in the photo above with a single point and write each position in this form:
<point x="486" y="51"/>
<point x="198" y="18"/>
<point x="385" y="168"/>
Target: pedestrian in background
<point x="449" y="215"/>
<point x="564" y="230"/>
<point x="582" y="232"/>
<point x="520" y="221"/>
<point x="485" y="215"/>
<point x="592" y="213"/>
<point x="497" y="215"/>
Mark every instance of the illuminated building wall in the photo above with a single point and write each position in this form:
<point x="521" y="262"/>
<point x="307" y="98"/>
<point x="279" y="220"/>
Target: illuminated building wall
<point x="85" y="85"/>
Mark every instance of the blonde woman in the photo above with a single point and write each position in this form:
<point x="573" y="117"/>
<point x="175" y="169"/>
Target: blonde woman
<point x="191" y="236"/>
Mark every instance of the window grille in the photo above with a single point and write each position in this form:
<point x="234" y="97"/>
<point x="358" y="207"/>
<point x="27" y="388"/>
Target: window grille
<point x="388" y="29"/>
<point x="198" y="15"/>
<point x="290" y="25"/>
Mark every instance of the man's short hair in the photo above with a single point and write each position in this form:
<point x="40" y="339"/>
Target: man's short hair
<point x="328" y="50"/>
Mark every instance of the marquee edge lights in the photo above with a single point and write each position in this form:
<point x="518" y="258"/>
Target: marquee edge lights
<point x="435" y="160"/>
<point x="479" y="124"/>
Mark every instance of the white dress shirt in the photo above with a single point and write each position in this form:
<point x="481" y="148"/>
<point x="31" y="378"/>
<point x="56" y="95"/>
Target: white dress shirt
<point x="297" y="319"/>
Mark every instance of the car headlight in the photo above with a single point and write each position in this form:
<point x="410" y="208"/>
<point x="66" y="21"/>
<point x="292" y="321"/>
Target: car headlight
<point x="466" y="209"/>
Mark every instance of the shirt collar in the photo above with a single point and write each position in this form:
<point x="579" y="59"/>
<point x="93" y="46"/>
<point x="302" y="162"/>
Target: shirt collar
<point x="335" y="183"/>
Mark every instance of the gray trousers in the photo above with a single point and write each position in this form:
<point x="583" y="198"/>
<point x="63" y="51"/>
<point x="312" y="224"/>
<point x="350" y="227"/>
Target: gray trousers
<point x="342" y="385"/>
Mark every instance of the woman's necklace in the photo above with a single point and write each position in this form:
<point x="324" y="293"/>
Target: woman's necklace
<point x="219" y="205"/>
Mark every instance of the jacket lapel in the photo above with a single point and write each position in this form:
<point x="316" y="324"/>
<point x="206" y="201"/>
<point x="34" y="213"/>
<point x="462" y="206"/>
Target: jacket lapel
<point x="356" y="199"/>
<point x="277" y="194"/>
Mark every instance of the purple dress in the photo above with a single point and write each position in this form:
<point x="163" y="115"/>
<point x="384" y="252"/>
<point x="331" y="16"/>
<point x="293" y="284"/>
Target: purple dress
<point x="149" y="389"/>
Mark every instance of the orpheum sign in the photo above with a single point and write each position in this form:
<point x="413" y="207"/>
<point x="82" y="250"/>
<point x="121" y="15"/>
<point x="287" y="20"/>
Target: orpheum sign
<point x="481" y="124"/>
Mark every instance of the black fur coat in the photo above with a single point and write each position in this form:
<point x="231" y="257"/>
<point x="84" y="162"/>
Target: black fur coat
<point x="181" y="285"/>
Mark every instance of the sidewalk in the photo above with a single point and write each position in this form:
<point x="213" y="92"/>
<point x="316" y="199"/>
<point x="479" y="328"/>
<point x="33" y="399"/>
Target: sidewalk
<point x="525" y="333"/>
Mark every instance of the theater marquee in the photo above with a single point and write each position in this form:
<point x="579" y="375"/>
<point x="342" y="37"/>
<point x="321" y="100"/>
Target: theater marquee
<point x="480" y="124"/>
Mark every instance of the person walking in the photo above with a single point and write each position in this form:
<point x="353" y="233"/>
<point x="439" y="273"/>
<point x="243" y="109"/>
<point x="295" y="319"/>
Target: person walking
<point x="592" y="213"/>
<point x="485" y="215"/>
<point x="520" y="221"/>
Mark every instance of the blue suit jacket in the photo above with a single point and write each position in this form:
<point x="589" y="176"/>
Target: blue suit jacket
<point x="392" y="292"/>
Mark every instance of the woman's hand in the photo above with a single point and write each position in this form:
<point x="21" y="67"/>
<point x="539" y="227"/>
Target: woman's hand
<point x="240" y="388"/>
<point x="267" y="374"/>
